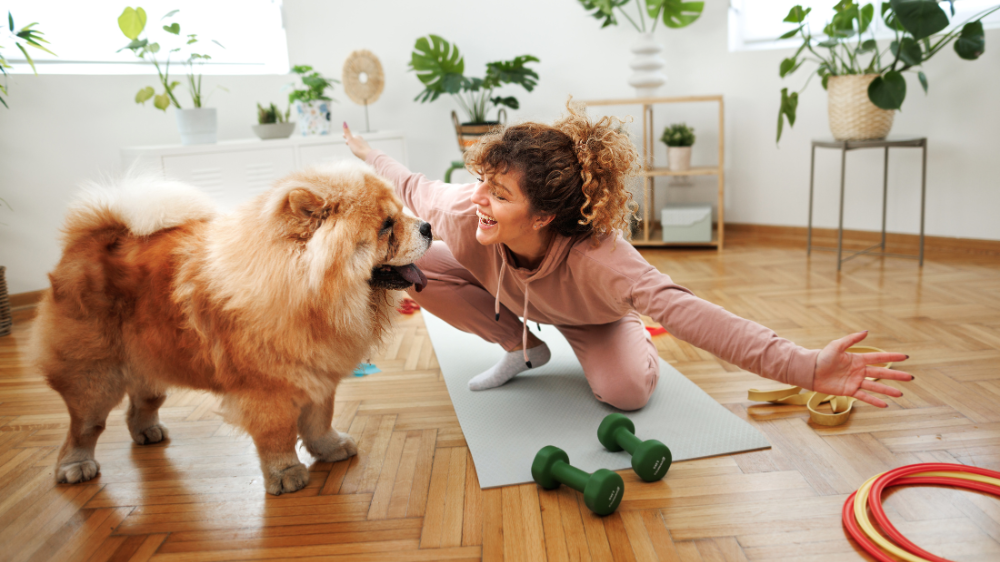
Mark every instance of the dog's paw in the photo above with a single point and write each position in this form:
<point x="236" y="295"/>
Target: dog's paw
<point x="291" y="479"/>
<point x="73" y="472"/>
<point x="152" y="434"/>
<point x="333" y="447"/>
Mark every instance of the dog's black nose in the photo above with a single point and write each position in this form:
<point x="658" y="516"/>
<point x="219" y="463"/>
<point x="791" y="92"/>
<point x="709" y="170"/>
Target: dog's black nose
<point x="425" y="230"/>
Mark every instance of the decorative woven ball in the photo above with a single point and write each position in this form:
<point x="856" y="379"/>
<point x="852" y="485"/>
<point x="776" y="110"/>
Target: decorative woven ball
<point x="363" y="77"/>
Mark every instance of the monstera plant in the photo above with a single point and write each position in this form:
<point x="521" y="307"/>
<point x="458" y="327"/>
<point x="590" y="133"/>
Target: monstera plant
<point x="674" y="13"/>
<point x="440" y="67"/>
<point x="848" y="47"/>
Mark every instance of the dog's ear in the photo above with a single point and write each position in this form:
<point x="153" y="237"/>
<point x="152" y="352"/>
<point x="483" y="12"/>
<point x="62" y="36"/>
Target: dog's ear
<point x="304" y="203"/>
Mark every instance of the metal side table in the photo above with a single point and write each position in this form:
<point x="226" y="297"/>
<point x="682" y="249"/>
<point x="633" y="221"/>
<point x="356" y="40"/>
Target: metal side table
<point x="844" y="146"/>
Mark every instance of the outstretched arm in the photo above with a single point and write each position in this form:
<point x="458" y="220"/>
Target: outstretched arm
<point x="758" y="349"/>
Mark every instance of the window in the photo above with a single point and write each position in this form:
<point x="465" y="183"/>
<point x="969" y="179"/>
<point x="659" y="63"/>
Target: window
<point x="86" y="38"/>
<point x="757" y="24"/>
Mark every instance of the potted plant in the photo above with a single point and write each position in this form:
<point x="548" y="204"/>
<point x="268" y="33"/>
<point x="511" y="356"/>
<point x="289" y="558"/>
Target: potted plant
<point x="311" y="102"/>
<point x="679" y="138"/>
<point x="440" y="67"/>
<point x="30" y="37"/>
<point x="864" y="94"/>
<point x="197" y="125"/>
<point x="647" y="66"/>
<point x="272" y="124"/>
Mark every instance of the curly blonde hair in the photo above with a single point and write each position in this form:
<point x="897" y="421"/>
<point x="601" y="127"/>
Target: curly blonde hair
<point x="575" y="170"/>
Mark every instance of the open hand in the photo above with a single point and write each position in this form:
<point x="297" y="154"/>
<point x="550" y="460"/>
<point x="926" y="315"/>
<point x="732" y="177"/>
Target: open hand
<point x="358" y="145"/>
<point x="844" y="374"/>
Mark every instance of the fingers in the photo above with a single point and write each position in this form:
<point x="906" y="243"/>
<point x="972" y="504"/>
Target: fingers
<point x="347" y="131"/>
<point x="883" y="357"/>
<point x="890" y="374"/>
<point x="849" y="340"/>
<point x="881" y="388"/>
<point x="865" y="397"/>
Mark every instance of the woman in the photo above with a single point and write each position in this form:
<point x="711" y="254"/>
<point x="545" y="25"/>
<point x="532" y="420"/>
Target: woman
<point x="539" y="236"/>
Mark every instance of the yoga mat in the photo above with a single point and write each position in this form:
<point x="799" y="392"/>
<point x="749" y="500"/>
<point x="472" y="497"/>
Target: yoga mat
<point x="553" y="405"/>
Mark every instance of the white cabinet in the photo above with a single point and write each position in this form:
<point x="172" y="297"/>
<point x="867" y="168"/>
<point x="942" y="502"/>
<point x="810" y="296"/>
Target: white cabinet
<point x="233" y="171"/>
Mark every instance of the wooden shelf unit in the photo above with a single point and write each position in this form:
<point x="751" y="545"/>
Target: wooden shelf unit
<point x="650" y="227"/>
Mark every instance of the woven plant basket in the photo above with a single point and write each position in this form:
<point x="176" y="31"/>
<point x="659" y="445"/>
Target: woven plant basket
<point x="5" y="318"/>
<point x="852" y="115"/>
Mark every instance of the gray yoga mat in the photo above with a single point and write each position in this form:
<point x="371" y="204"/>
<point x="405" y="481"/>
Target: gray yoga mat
<point x="552" y="405"/>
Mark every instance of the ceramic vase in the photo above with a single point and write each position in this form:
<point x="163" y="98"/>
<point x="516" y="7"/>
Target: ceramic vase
<point x="197" y="126"/>
<point x="647" y="66"/>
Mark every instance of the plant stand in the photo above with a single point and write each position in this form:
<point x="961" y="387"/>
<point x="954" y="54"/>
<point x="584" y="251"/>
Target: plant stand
<point x="651" y="228"/>
<point x="844" y="146"/>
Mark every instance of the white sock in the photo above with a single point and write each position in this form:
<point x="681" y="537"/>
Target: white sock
<point x="511" y="365"/>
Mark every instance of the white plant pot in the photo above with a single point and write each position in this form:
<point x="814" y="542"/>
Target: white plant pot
<point x="647" y="66"/>
<point x="273" y="130"/>
<point x="314" y="117"/>
<point x="679" y="158"/>
<point x="197" y="126"/>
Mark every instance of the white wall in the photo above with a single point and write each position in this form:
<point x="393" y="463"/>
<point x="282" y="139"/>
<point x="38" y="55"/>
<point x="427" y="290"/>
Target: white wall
<point x="62" y="130"/>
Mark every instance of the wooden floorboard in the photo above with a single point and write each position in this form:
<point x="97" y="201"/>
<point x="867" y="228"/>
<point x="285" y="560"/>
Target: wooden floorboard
<point x="412" y="492"/>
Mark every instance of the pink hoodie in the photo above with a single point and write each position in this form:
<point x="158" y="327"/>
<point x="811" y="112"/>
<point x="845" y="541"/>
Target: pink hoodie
<point x="579" y="284"/>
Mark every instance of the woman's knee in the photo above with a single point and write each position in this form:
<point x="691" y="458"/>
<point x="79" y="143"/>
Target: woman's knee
<point x="627" y="387"/>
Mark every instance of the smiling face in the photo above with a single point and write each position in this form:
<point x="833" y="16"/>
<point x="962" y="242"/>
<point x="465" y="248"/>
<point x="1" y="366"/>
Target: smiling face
<point x="505" y="215"/>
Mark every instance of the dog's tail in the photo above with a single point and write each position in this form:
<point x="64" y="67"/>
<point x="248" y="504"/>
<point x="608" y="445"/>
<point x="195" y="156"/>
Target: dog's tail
<point x="105" y="214"/>
<point x="138" y="204"/>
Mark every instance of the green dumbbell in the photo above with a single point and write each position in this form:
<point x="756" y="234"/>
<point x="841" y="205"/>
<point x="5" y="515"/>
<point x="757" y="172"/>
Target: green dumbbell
<point x="602" y="490"/>
<point x="650" y="458"/>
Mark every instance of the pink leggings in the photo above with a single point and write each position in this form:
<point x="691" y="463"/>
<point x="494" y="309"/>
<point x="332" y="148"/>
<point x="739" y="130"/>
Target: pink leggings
<point x="619" y="359"/>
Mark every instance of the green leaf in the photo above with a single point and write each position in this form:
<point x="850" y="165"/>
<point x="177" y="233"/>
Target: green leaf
<point x="154" y="48"/>
<point x="434" y="58"/>
<point x="162" y="102"/>
<point x="170" y="13"/>
<point x="922" y="18"/>
<point x="909" y="51"/>
<point x="789" y="104"/>
<point x="865" y="18"/>
<point x="888" y="91"/>
<point x="144" y="94"/>
<point x="512" y="72"/>
<point x="797" y="14"/>
<point x="826" y="80"/>
<point x="869" y="45"/>
<point x="132" y="22"/>
<point x="890" y="18"/>
<point x="219" y="44"/>
<point x="789" y="66"/>
<point x="10" y="18"/>
<point x="174" y="28"/>
<point x="829" y="43"/>
<point x="791" y="33"/>
<point x="508" y="101"/>
<point x="678" y="14"/>
<point x="27" y="56"/>
<point x="603" y="10"/>
<point x="923" y="80"/>
<point x="971" y="43"/>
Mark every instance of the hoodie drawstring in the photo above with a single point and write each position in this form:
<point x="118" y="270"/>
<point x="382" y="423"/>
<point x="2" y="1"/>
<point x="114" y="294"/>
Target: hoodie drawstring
<point x="496" y="310"/>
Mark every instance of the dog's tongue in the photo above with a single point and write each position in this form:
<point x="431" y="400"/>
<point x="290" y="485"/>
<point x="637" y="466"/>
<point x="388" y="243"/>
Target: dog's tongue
<point x="413" y="274"/>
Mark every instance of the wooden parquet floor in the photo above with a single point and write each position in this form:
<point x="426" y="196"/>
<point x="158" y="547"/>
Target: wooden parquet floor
<point x="412" y="494"/>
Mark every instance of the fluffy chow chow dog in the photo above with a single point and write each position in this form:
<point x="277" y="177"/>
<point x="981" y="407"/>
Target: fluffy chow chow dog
<point x="267" y="307"/>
